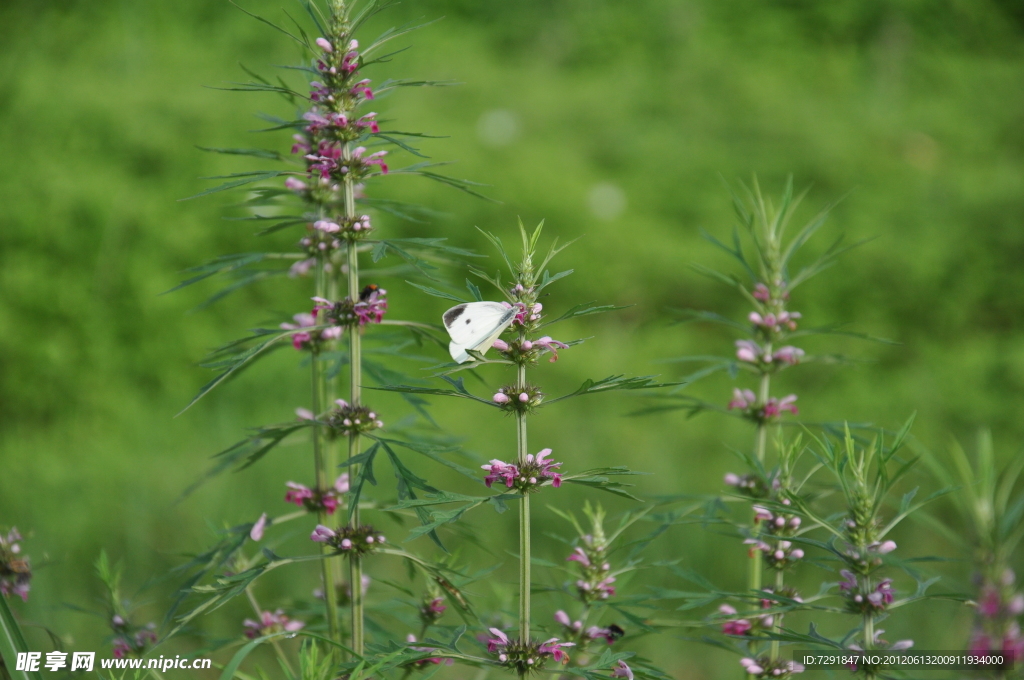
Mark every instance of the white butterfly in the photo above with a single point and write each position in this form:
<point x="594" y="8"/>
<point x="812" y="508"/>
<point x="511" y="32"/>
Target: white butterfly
<point x="475" y="326"/>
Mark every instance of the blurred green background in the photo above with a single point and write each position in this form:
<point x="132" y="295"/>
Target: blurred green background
<point x="615" y="122"/>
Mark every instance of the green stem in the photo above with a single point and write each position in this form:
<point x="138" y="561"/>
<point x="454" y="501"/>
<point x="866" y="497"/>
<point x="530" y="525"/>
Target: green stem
<point x="356" y="380"/>
<point x="330" y="594"/>
<point x="754" y="566"/>
<point x="524" y="525"/>
<point x="777" y="619"/>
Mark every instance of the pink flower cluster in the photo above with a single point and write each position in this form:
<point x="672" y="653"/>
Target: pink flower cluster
<point x="749" y="484"/>
<point x="528" y="475"/>
<point x="622" y="670"/>
<point x="311" y="339"/>
<point x="15" y="572"/>
<point x="271" y="622"/>
<point x="861" y="599"/>
<point x="734" y="626"/>
<point x="539" y="346"/>
<point x="778" y="556"/>
<point x="369" y="308"/>
<point x="774" y="323"/>
<point x="525" y="314"/>
<point x="765" y="668"/>
<point x="574" y="628"/>
<point x="349" y="62"/>
<point x="524" y="656"/>
<point x="746" y="400"/>
<point x="996" y="627"/>
<point x="596" y="582"/>
<point x="750" y="352"/>
<point x="359" y="540"/>
<point x="432" y="609"/>
<point x="130" y="640"/>
<point x="410" y="638"/>
<point x="328" y="159"/>
<point x="315" y="501"/>
<point x="347" y="419"/>
<point x="518" y="397"/>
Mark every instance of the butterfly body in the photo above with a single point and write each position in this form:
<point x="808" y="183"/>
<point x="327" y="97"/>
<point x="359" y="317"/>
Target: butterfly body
<point x="475" y="326"/>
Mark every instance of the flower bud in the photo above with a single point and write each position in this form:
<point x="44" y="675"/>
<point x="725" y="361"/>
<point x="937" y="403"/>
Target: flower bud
<point x="325" y="44"/>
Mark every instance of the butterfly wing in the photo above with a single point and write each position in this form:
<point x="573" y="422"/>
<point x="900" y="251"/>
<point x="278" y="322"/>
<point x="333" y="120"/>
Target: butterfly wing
<point x="475" y="326"/>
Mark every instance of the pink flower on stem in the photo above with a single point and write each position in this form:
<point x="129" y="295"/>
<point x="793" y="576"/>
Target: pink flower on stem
<point x="622" y="670"/>
<point x="369" y="121"/>
<point x="376" y="158"/>
<point x="776" y="407"/>
<point x="325" y="45"/>
<point x="736" y="626"/>
<point x="362" y="88"/>
<point x="553" y="648"/>
<point x="500" y="470"/>
<point x="550" y="345"/>
<point x="499" y="641"/>
<point x="271" y="622"/>
<point x="609" y="635"/>
<point x="563" y="618"/>
<point x="524" y="315"/>
<point x="300" y="340"/>
<point x="762" y="293"/>
<point x="579" y="555"/>
<point x="546" y="468"/>
<point x="774" y="323"/>
<point x="256" y="533"/>
<point x="749" y="351"/>
<point x="788" y="355"/>
<point x="121" y="648"/>
<point x="742" y="399"/>
<point x="301" y="268"/>
<point x="322" y="534"/>
<point x="297" y="493"/>
<point x="849" y="582"/>
<point x="883" y="547"/>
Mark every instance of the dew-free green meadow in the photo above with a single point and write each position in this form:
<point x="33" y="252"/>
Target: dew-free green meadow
<point x="615" y="123"/>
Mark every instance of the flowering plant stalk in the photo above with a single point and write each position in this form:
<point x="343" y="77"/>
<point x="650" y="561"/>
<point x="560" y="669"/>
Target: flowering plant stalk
<point x="339" y="150"/>
<point x="787" y="496"/>
<point x="990" y="510"/>
<point x="762" y="352"/>
<point x="860" y="542"/>
<point x="529" y="473"/>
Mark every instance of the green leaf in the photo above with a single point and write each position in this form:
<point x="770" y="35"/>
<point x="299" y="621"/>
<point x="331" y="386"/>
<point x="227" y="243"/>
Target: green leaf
<point x="252" y="177"/>
<point x="598" y="479"/>
<point x="272" y="25"/>
<point x="251" y="449"/>
<point x="585" y="309"/>
<point x="433" y="453"/>
<point x="365" y="475"/>
<point x="236" y="363"/>
<point x="459" y="391"/>
<point x="614" y="382"/>
<point x="686" y="315"/>
<point x="12" y="641"/>
<point x="406" y="211"/>
<point x="239" y="657"/>
<point x="437" y="293"/>
<point x="257" y="153"/>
